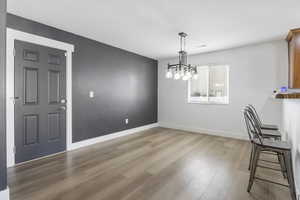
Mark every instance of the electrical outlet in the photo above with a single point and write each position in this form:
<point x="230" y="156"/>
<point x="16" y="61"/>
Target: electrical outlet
<point x="126" y="121"/>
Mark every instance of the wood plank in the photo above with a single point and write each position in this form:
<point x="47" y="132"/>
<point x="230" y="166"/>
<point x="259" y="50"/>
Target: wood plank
<point x="155" y="164"/>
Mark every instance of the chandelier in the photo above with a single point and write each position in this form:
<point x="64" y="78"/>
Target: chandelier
<point x="182" y="70"/>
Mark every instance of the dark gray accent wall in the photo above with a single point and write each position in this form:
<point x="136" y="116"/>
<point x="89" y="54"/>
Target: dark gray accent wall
<point x="3" y="173"/>
<point x="125" y="84"/>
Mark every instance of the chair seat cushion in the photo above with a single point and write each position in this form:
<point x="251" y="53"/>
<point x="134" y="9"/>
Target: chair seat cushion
<point x="269" y="127"/>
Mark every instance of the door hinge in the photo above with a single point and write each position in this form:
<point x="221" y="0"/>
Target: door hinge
<point x="14" y="150"/>
<point x="14" y="52"/>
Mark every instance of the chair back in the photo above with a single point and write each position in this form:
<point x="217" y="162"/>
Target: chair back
<point x="252" y="126"/>
<point x="253" y="110"/>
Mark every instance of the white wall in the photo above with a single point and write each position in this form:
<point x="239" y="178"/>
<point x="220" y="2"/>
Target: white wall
<point x="291" y="128"/>
<point x="255" y="71"/>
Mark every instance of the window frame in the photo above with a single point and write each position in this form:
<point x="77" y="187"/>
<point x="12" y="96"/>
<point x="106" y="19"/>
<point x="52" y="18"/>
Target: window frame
<point x="209" y="100"/>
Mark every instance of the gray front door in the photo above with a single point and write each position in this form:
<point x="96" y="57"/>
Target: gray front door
<point x="40" y="98"/>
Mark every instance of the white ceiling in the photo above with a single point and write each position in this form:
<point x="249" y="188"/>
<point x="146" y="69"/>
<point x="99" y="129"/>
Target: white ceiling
<point x="150" y="27"/>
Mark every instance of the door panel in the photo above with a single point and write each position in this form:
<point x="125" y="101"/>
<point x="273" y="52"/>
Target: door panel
<point x="30" y="55"/>
<point x="54" y="126"/>
<point x="31" y="129"/>
<point x="40" y="85"/>
<point x="54" y="86"/>
<point x="30" y="85"/>
<point x="54" y="59"/>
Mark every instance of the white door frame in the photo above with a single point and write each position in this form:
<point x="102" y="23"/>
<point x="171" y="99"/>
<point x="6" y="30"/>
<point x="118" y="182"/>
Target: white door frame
<point x="13" y="35"/>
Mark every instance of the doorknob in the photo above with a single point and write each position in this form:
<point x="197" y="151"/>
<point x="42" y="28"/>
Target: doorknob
<point x="14" y="99"/>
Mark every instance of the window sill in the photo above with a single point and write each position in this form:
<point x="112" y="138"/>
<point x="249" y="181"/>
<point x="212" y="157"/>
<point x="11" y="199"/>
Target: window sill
<point x="208" y="102"/>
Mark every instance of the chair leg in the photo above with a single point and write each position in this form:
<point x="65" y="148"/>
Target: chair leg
<point x="290" y="173"/>
<point x="282" y="164"/>
<point x="256" y="153"/>
<point x="251" y="157"/>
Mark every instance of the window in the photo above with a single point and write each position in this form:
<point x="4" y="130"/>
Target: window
<point x="212" y="85"/>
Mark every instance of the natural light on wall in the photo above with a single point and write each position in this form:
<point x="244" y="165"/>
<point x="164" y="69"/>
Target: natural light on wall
<point x="212" y="85"/>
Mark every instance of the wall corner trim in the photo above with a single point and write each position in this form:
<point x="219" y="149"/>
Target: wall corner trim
<point x="220" y="133"/>
<point x="4" y="194"/>
<point x="104" y="138"/>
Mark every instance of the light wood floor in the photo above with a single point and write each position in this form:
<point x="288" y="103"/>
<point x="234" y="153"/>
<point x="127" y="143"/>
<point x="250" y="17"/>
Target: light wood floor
<point x="158" y="164"/>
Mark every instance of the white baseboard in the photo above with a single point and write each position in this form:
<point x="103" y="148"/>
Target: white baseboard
<point x="88" y="142"/>
<point x="4" y="194"/>
<point x="241" y="136"/>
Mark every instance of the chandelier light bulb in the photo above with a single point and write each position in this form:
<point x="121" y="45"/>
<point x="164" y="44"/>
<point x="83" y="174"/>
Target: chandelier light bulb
<point x="169" y="74"/>
<point x="189" y="75"/>
<point x="181" y="72"/>
<point x="177" y="76"/>
<point x="195" y="76"/>
<point x="185" y="78"/>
